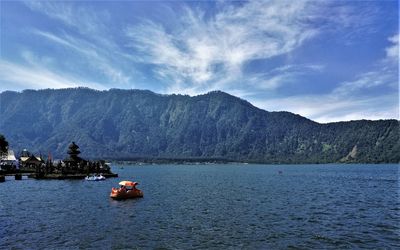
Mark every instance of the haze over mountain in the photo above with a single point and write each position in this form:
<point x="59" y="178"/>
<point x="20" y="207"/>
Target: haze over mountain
<point x="138" y="123"/>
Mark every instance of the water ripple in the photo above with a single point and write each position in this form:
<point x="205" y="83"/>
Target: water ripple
<point x="209" y="206"/>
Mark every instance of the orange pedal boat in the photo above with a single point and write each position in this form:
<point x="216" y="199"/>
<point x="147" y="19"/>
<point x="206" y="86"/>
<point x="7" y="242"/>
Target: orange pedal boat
<point x="127" y="190"/>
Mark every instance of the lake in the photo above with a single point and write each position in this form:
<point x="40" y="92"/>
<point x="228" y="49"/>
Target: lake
<point x="229" y="206"/>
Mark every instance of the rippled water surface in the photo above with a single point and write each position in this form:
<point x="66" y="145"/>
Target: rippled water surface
<point x="209" y="206"/>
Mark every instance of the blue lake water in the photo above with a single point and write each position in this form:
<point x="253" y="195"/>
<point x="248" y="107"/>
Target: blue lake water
<point x="232" y="206"/>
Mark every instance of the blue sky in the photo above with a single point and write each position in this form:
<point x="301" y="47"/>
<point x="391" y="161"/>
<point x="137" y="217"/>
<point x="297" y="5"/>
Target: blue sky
<point x="325" y="60"/>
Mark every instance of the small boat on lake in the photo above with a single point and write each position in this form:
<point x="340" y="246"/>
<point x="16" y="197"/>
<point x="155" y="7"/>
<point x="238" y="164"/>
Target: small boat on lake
<point x="126" y="190"/>
<point x="95" y="178"/>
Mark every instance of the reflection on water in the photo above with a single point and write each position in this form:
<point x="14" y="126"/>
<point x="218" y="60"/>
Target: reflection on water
<point x="209" y="206"/>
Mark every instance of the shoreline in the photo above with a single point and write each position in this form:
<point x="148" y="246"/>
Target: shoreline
<point x="163" y="161"/>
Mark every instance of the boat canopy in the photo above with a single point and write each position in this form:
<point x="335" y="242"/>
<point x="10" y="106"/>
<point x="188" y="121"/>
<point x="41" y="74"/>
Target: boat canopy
<point x="128" y="183"/>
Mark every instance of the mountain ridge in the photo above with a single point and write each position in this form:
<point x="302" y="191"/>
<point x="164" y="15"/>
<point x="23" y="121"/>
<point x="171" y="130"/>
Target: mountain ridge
<point x="121" y="124"/>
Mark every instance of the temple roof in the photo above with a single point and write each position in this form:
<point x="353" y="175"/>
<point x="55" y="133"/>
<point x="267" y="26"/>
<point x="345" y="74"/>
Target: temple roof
<point x="33" y="160"/>
<point x="73" y="146"/>
<point x="25" y="153"/>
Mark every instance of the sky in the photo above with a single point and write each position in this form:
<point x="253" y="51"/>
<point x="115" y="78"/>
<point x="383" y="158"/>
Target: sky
<point x="325" y="60"/>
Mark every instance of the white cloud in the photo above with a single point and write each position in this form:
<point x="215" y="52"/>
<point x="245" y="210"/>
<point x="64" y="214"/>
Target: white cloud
<point x="392" y="52"/>
<point x="206" y="51"/>
<point x="93" y="41"/>
<point x="382" y="77"/>
<point x="37" y="78"/>
<point x="82" y="19"/>
<point x="280" y="76"/>
<point x="209" y="51"/>
<point x="331" y="108"/>
<point x="384" y="74"/>
<point x="371" y="95"/>
<point x="34" y="60"/>
<point x="97" y="59"/>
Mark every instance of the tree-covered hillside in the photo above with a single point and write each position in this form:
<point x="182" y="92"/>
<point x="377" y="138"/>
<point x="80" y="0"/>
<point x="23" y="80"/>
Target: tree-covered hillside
<point x="136" y="123"/>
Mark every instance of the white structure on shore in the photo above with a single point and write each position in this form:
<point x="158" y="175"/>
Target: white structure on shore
<point x="8" y="159"/>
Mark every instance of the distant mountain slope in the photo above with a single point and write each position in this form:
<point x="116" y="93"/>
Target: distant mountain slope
<point x="139" y="123"/>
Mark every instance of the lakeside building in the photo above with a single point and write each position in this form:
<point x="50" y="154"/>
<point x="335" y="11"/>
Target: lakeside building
<point x="72" y="167"/>
<point x="29" y="161"/>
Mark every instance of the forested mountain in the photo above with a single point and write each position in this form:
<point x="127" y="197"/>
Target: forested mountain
<point x="137" y="123"/>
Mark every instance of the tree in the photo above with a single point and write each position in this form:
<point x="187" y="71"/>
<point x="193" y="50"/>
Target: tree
<point x="3" y="144"/>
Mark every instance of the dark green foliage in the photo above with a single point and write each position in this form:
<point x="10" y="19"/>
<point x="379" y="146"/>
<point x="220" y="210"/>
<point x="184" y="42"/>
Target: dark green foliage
<point x="141" y="124"/>
<point x="3" y="144"/>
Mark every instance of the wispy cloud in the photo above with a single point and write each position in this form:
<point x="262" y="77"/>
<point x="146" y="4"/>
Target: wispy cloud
<point x="205" y="51"/>
<point x="280" y="76"/>
<point x="384" y="74"/>
<point x="351" y="21"/>
<point x="258" y="50"/>
<point x="89" y="36"/>
<point x="383" y="77"/>
<point x="92" y="55"/>
<point x="351" y="100"/>
<point x="330" y="107"/>
<point x="28" y="77"/>
<point x="392" y="51"/>
<point x="81" y="19"/>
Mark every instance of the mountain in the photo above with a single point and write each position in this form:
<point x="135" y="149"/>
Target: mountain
<point x="123" y="124"/>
